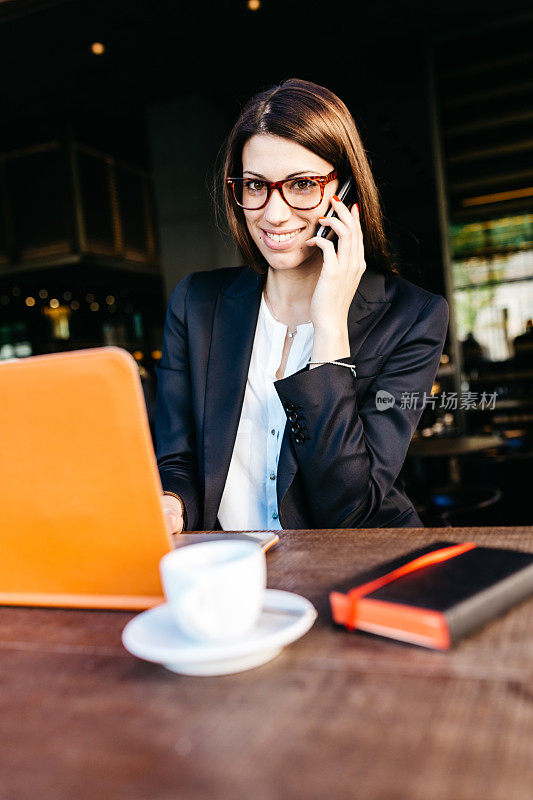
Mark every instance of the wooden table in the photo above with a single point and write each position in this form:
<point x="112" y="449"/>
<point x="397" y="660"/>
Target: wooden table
<point x="336" y="715"/>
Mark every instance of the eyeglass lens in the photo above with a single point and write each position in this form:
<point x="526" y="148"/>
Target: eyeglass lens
<point x="302" y="193"/>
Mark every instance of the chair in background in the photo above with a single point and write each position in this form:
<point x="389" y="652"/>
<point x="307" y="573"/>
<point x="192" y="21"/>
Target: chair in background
<point x="466" y="505"/>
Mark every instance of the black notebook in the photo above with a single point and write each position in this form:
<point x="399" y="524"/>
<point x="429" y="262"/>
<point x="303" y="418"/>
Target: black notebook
<point x="436" y="595"/>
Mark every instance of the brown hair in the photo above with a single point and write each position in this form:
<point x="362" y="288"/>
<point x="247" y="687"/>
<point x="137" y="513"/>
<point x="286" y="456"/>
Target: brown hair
<point x="317" y="119"/>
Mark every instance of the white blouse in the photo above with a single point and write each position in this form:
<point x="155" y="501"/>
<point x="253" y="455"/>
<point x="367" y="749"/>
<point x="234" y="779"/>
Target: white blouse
<point x="249" y="501"/>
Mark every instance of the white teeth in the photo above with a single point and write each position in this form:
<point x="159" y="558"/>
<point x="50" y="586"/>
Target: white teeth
<point x="283" y="237"/>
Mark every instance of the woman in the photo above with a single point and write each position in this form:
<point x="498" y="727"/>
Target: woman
<point x="260" y="422"/>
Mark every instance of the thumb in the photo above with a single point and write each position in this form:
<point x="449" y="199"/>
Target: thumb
<point x="172" y="521"/>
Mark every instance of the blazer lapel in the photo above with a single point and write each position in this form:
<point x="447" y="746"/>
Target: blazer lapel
<point x="234" y="324"/>
<point x="369" y="304"/>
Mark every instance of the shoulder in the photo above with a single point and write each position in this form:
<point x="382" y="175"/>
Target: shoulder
<point x="203" y="285"/>
<point x="413" y="300"/>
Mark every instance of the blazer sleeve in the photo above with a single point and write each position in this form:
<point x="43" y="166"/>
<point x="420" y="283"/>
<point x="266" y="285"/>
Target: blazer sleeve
<point x="174" y="421"/>
<point x="350" y="456"/>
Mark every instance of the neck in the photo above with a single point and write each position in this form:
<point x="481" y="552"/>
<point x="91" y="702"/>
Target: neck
<point x="290" y="292"/>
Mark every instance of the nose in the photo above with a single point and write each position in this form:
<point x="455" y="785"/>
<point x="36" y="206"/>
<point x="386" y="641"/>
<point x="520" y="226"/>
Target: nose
<point x="277" y="210"/>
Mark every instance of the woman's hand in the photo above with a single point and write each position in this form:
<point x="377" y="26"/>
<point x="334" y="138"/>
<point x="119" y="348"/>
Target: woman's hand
<point x="173" y="514"/>
<point x="342" y="270"/>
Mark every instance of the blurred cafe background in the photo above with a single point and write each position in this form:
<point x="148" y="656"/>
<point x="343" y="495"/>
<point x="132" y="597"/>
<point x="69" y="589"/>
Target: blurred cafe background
<point x="113" y="116"/>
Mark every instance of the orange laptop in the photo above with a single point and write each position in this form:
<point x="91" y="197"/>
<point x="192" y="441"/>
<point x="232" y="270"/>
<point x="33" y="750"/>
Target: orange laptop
<point x="81" y="516"/>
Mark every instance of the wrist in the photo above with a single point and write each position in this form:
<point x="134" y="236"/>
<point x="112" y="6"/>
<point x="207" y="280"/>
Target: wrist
<point x="330" y="345"/>
<point x="330" y="330"/>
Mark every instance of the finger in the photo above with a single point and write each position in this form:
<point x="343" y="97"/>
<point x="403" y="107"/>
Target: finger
<point x="358" y="239"/>
<point x="172" y="521"/>
<point x="327" y="247"/>
<point x="354" y="213"/>
<point x="340" y="228"/>
<point x="345" y="235"/>
<point x="342" y="211"/>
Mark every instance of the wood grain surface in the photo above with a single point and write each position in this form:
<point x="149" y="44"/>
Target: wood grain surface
<point x="336" y="715"/>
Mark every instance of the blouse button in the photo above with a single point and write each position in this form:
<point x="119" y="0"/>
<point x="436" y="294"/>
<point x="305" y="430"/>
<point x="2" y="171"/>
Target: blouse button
<point x="274" y="515"/>
<point x="272" y="476"/>
<point x="273" y="431"/>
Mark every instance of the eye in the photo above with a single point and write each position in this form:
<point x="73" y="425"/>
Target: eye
<point x="254" y="185"/>
<point x="303" y="185"/>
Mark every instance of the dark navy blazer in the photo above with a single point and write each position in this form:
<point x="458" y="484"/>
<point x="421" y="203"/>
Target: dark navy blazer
<point x="344" y="442"/>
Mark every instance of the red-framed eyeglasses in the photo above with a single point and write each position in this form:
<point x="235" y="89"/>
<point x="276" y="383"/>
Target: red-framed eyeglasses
<point x="301" y="193"/>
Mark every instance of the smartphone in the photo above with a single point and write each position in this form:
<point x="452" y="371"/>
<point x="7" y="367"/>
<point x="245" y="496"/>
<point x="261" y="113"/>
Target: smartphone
<point x="323" y="230"/>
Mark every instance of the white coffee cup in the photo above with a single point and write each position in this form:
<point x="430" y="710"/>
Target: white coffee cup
<point x="215" y="589"/>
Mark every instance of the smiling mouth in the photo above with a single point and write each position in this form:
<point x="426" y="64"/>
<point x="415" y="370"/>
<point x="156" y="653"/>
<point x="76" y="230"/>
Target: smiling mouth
<point x="282" y="237"/>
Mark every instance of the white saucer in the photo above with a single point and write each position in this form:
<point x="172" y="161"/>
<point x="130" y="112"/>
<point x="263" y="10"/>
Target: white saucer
<point x="154" y="636"/>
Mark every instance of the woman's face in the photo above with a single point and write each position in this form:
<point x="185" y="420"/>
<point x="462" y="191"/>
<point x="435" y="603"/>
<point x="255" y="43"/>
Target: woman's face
<point x="274" y="158"/>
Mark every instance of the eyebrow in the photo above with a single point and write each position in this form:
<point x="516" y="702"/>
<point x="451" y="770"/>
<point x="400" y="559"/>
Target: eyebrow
<point x="292" y="175"/>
